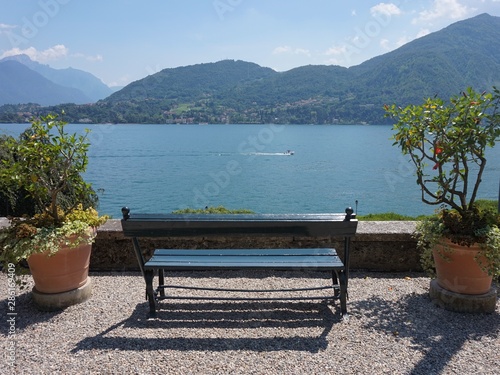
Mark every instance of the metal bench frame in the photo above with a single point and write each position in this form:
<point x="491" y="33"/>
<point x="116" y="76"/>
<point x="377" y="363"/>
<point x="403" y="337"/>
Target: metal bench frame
<point x="254" y="225"/>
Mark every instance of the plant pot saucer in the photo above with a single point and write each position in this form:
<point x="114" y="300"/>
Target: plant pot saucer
<point x="464" y="303"/>
<point x="59" y="301"/>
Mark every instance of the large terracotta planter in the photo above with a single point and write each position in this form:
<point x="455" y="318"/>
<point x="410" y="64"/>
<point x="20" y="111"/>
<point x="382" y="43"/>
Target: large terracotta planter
<point x="66" y="270"/>
<point x="458" y="271"/>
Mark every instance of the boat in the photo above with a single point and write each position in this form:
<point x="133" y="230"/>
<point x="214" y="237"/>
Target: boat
<point x="289" y="152"/>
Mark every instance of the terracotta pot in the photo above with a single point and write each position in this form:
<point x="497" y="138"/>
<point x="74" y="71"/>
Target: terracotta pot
<point x="66" y="270"/>
<point x="461" y="273"/>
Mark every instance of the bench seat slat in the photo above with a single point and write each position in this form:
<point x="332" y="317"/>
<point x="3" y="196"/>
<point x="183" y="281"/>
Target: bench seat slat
<point x="238" y="264"/>
<point x="318" y="259"/>
<point x="245" y="252"/>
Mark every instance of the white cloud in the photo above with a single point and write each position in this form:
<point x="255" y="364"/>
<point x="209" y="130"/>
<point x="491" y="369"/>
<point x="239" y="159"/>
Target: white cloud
<point x="56" y="52"/>
<point x="53" y="53"/>
<point x="338" y="55"/>
<point x="336" y="51"/>
<point x="95" y="58"/>
<point x="290" y="50"/>
<point x="282" y="49"/>
<point x="385" y="44"/>
<point x="4" y="26"/>
<point x="402" y="41"/>
<point x="444" y="9"/>
<point x="387" y="9"/>
<point x="389" y="46"/>
<point x="302" y="51"/>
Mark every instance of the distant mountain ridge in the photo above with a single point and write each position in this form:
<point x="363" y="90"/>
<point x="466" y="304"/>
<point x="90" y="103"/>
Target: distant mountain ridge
<point x="444" y="63"/>
<point x="20" y="84"/>
<point x="86" y="88"/>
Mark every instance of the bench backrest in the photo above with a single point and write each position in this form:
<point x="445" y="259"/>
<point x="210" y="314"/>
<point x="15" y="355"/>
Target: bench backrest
<point x="179" y="225"/>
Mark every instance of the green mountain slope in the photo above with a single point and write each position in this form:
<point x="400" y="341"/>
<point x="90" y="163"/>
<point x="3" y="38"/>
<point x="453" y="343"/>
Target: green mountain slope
<point x="194" y="82"/>
<point x="466" y="53"/>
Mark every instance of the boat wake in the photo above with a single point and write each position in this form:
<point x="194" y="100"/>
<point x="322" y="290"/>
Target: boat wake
<point x="287" y="153"/>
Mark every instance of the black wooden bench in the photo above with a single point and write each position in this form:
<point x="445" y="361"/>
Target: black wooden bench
<point x="255" y="225"/>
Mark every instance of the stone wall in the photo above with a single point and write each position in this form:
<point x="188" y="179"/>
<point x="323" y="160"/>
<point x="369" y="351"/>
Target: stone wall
<point x="378" y="246"/>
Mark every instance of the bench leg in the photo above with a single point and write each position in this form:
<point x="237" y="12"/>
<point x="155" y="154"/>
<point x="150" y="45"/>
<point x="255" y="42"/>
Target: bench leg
<point x="336" y="290"/>
<point x="161" y="281"/>
<point x="149" y="277"/>
<point x="343" y="293"/>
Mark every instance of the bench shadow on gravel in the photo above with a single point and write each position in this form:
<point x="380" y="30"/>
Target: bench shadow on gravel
<point x="246" y="316"/>
<point x="437" y="333"/>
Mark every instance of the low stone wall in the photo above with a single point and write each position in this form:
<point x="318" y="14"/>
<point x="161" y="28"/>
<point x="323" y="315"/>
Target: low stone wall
<point x="385" y="246"/>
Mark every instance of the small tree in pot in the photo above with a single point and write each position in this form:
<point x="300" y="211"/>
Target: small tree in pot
<point x="46" y="164"/>
<point x="446" y="143"/>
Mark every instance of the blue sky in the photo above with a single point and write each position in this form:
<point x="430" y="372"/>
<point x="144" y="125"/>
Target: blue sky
<point x="120" y="41"/>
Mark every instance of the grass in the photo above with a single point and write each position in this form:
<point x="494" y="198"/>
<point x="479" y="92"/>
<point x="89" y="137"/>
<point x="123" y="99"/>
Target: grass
<point x="388" y="216"/>
<point x="212" y="210"/>
<point x="392" y="216"/>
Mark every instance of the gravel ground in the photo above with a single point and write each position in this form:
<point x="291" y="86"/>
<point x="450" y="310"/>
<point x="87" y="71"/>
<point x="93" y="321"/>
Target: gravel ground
<point x="392" y="328"/>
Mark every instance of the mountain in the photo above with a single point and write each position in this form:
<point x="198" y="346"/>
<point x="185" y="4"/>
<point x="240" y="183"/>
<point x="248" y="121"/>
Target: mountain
<point x="231" y="80"/>
<point x="444" y="63"/>
<point x="466" y="53"/>
<point x="193" y="82"/>
<point x="92" y="88"/>
<point x="20" y="84"/>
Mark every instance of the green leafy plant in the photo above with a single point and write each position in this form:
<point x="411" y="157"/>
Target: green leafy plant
<point x="13" y="201"/>
<point x="46" y="164"/>
<point x="446" y="143"/>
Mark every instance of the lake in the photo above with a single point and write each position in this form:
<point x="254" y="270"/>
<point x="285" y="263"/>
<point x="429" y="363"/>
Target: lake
<point x="161" y="168"/>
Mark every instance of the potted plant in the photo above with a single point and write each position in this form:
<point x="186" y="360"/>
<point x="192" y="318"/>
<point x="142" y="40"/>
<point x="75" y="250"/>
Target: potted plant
<point x="446" y="143"/>
<point x="44" y="167"/>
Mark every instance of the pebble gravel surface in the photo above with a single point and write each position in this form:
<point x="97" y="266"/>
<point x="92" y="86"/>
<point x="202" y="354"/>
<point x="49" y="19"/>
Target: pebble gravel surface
<point x="392" y="328"/>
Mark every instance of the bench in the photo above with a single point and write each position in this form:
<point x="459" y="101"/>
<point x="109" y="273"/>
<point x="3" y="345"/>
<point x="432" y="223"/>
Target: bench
<point x="253" y="225"/>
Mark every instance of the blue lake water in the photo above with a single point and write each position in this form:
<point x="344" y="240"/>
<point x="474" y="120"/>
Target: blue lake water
<point x="160" y="168"/>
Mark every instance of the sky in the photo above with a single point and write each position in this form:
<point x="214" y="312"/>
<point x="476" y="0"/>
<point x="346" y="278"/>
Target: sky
<point x="120" y="41"/>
